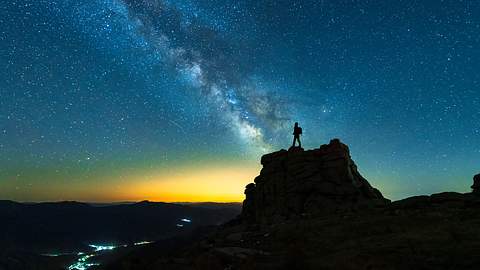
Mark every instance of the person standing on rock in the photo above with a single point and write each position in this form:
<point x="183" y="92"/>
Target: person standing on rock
<point x="297" y="131"/>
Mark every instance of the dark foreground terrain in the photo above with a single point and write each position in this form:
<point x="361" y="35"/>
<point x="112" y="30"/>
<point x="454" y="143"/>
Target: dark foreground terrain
<point x="313" y="210"/>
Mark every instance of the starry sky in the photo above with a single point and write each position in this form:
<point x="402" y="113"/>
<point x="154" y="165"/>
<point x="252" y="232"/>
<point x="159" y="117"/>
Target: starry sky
<point x="122" y="100"/>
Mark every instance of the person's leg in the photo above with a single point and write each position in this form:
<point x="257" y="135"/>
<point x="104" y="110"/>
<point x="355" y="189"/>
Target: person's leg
<point x="299" y="143"/>
<point x="294" y="138"/>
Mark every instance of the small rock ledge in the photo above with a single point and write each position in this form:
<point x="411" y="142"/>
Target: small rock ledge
<point x="476" y="185"/>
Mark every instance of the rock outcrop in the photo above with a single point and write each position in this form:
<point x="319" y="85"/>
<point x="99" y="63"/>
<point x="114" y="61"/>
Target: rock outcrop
<point x="476" y="184"/>
<point x="295" y="183"/>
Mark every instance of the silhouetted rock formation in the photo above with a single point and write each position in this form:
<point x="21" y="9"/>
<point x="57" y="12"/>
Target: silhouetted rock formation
<point x="297" y="182"/>
<point x="476" y="184"/>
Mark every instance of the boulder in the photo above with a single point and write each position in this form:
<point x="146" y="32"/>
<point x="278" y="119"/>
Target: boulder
<point x="476" y="184"/>
<point x="302" y="182"/>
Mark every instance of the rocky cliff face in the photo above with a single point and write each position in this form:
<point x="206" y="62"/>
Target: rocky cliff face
<point x="476" y="184"/>
<point x="296" y="182"/>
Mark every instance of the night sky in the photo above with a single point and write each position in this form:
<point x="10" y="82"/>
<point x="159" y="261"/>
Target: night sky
<point x="120" y="100"/>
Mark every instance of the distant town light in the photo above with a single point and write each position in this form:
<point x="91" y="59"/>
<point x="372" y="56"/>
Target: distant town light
<point x="142" y="243"/>
<point x="100" y="248"/>
<point x="81" y="263"/>
<point x="51" y="255"/>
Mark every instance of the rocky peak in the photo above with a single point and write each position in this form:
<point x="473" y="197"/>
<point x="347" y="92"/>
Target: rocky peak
<point x="297" y="182"/>
<point x="476" y="184"/>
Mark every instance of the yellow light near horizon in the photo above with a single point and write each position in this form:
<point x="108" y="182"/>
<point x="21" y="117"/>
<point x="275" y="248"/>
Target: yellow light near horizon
<point x="219" y="181"/>
<point x="219" y="184"/>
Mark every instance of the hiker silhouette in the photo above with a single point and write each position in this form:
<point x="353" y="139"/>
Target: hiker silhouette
<point x="297" y="131"/>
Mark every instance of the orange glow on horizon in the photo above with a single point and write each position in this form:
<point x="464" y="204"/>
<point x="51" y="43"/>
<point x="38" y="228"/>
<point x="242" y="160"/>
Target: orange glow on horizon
<point x="216" y="184"/>
<point x="214" y="181"/>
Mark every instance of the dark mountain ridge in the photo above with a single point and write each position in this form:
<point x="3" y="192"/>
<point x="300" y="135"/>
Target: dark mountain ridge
<point x="69" y="226"/>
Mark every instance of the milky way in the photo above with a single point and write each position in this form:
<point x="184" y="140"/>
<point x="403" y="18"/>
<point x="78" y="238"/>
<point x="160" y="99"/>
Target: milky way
<point x="195" y="48"/>
<point x="208" y="62"/>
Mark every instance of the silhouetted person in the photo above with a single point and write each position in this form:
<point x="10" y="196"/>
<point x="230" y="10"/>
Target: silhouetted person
<point x="297" y="131"/>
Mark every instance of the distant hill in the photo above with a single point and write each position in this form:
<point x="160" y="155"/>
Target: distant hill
<point x="215" y="205"/>
<point x="70" y="226"/>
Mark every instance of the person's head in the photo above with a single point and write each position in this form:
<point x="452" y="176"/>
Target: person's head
<point x="296" y="124"/>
